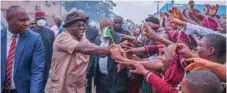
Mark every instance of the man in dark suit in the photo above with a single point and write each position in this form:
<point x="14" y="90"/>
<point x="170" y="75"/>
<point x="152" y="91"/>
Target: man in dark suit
<point x="107" y="79"/>
<point x="47" y="37"/>
<point x="22" y="55"/>
<point x="90" y="32"/>
<point x="117" y="25"/>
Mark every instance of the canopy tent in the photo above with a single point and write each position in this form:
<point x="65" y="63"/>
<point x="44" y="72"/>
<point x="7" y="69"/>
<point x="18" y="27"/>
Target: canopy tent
<point x="200" y="7"/>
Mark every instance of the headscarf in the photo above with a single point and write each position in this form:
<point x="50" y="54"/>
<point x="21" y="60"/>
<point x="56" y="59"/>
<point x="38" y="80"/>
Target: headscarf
<point x="176" y="35"/>
<point x="210" y="22"/>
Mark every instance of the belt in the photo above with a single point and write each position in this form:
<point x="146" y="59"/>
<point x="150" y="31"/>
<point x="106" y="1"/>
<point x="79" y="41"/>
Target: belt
<point x="9" y="91"/>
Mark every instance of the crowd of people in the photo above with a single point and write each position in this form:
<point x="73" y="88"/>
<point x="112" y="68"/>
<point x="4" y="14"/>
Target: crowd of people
<point x="183" y="53"/>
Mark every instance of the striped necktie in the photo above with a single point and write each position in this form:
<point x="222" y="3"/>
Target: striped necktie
<point x="10" y="60"/>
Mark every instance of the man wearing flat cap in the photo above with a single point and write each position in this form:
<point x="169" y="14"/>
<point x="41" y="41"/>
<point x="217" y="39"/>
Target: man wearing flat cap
<point x="71" y="52"/>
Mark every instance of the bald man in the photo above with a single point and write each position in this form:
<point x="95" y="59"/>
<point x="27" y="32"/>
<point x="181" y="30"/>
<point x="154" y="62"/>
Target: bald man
<point x="22" y="59"/>
<point x="107" y="79"/>
<point x="118" y="21"/>
<point x="90" y="73"/>
<point x="117" y="24"/>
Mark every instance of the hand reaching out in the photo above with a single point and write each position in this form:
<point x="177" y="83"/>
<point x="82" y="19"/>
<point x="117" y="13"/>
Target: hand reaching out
<point x="176" y="21"/>
<point x="211" y="10"/>
<point x="183" y="49"/>
<point x="127" y="42"/>
<point x="197" y="64"/>
<point x="139" y="69"/>
<point x="149" y="31"/>
<point x="149" y="25"/>
<point x="176" y="13"/>
<point x="131" y="50"/>
<point x="119" y="54"/>
<point x="115" y="52"/>
<point x="123" y="64"/>
<point x="214" y="10"/>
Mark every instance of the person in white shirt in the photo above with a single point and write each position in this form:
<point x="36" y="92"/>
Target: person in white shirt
<point x="57" y="25"/>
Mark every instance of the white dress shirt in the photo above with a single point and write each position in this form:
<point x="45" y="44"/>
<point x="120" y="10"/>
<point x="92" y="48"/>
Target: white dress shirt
<point x="9" y="41"/>
<point x="103" y="61"/>
<point x="55" y="29"/>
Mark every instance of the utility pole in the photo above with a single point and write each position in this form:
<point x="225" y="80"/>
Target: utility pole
<point x="60" y="9"/>
<point x="158" y="2"/>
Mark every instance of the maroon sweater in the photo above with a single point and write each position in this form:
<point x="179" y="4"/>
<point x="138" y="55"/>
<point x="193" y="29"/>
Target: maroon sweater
<point x="159" y="84"/>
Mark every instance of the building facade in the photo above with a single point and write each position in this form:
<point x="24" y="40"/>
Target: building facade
<point x="51" y="8"/>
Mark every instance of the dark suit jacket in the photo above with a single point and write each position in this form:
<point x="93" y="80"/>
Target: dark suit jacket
<point x="119" y="79"/>
<point x="48" y="38"/>
<point x="29" y="62"/>
<point x="91" y="33"/>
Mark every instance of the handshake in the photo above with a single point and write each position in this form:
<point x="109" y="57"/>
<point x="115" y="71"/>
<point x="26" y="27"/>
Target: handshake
<point x="122" y="56"/>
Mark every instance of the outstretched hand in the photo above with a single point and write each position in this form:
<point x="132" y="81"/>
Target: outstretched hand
<point x="211" y="10"/>
<point x="184" y="49"/>
<point x="176" y="21"/>
<point x="115" y="52"/>
<point x="149" y="31"/>
<point x="132" y="50"/>
<point x="176" y="13"/>
<point x="149" y="25"/>
<point x="119" y="55"/>
<point x="139" y="69"/>
<point x="197" y="64"/>
<point x="128" y="42"/>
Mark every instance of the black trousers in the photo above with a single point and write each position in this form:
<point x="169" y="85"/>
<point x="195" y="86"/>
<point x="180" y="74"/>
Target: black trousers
<point x="104" y="85"/>
<point x="9" y="91"/>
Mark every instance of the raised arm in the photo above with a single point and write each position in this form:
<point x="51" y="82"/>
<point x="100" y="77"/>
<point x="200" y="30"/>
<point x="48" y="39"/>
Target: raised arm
<point x="216" y="68"/>
<point x="154" y="65"/>
<point x="70" y="45"/>
<point x="193" y="29"/>
<point x="159" y="84"/>
<point x="151" y="34"/>
<point x="148" y="49"/>
<point x="92" y="49"/>
<point x="185" y="17"/>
